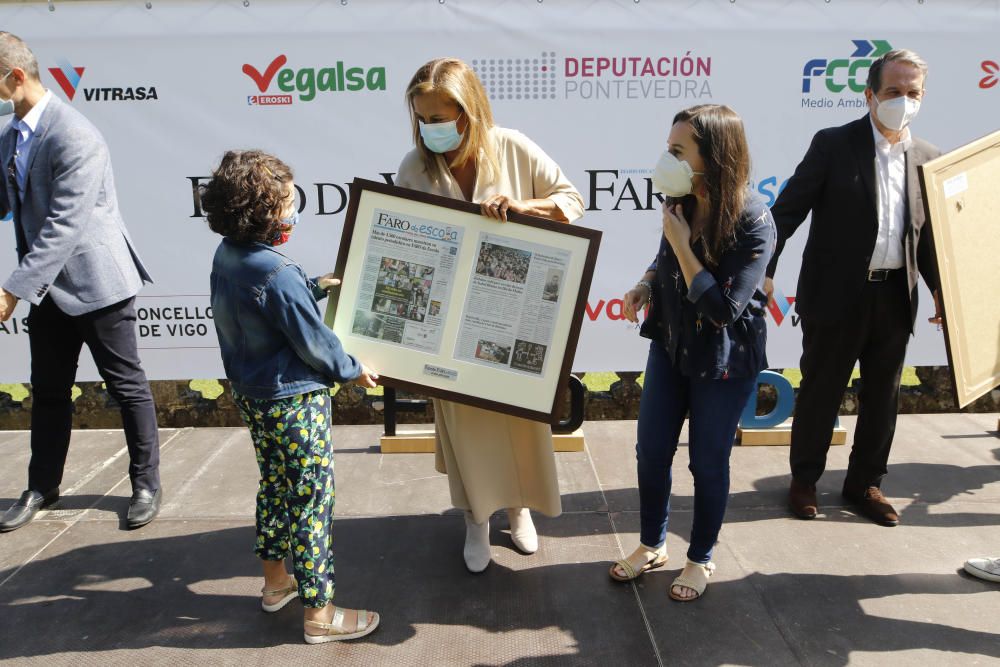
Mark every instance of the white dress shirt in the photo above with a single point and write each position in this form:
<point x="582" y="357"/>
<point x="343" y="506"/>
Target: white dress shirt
<point x="890" y="179"/>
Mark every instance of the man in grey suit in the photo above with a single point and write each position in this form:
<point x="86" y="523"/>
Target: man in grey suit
<point x="80" y="272"/>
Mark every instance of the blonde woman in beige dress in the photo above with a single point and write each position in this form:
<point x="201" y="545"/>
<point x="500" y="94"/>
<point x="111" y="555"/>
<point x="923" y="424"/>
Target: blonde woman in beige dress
<point x="493" y="460"/>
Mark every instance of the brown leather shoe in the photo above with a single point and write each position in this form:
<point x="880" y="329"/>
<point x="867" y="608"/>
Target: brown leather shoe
<point x="874" y="506"/>
<point x="802" y="499"/>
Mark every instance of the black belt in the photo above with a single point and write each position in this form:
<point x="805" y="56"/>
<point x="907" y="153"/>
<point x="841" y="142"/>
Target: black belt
<point x="881" y="275"/>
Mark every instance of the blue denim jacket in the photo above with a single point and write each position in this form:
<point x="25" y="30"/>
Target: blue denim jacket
<point x="715" y="329"/>
<point x="271" y="332"/>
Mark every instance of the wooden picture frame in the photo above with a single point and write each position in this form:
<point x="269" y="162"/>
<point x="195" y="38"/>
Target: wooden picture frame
<point x="443" y="301"/>
<point x="962" y="202"/>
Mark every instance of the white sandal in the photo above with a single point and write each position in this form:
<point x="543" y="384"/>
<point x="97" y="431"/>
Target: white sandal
<point x="287" y="593"/>
<point x="695" y="577"/>
<point x="335" y="631"/>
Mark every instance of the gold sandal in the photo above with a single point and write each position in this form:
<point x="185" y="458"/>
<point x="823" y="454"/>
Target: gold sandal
<point x="631" y="573"/>
<point x="695" y="577"/>
<point x="335" y="630"/>
<point x="288" y="593"/>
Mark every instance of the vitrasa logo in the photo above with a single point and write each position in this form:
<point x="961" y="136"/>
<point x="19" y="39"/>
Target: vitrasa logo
<point x="780" y="306"/>
<point x="68" y="77"/>
<point x="837" y="75"/>
<point x="992" y="77"/>
<point x="308" y="82"/>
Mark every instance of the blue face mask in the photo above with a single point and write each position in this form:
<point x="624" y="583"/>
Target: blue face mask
<point x="285" y="229"/>
<point x="441" y="137"/>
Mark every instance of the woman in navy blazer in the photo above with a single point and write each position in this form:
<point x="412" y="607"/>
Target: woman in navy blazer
<point x="706" y="322"/>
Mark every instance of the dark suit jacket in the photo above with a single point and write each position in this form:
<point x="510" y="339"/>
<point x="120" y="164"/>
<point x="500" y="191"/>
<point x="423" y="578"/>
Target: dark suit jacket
<point x="836" y="181"/>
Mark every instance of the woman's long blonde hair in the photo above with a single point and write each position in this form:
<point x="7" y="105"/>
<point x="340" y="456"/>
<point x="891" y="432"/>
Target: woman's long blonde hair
<point x="454" y="79"/>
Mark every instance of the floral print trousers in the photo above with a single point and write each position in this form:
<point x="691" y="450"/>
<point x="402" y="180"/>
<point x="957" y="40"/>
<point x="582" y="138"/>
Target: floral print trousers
<point x="295" y="501"/>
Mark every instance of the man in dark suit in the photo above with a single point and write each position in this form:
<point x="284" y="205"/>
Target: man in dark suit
<point x="857" y="290"/>
<point x="80" y="272"/>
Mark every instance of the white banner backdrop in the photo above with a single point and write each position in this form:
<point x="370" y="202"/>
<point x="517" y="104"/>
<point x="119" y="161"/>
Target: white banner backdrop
<point x="321" y="85"/>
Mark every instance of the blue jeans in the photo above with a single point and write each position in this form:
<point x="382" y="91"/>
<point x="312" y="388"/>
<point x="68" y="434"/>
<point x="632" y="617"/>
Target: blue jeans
<point x="715" y="407"/>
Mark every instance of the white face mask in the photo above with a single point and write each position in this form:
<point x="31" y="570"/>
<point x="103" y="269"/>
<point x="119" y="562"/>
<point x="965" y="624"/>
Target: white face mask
<point x="896" y="113"/>
<point x="673" y="177"/>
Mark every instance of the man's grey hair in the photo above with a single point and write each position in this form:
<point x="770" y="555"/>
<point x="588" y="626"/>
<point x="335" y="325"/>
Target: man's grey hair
<point x="897" y="56"/>
<point x="15" y="53"/>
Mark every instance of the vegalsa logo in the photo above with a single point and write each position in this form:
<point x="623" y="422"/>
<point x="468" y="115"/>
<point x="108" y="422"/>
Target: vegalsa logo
<point x="309" y="81"/>
<point x="839" y="74"/>
<point x="68" y="77"/>
<point x="992" y="74"/>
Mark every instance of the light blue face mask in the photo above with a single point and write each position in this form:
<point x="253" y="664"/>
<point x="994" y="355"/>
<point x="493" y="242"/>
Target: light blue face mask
<point x="6" y="106"/>
<point x="441" y="137"/>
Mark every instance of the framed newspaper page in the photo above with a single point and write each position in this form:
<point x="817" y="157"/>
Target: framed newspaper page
<point x="962" y="202"/>
<point x="446" y="302"/>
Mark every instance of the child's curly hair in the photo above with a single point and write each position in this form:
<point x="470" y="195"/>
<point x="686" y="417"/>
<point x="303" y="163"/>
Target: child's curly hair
<point x="246" y="195"/>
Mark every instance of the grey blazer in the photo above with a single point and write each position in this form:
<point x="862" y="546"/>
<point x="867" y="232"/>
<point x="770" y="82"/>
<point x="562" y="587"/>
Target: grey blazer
<point x="71" y="239"/>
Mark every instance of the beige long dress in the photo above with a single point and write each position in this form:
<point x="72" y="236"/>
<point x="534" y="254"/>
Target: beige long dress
<point x="494" y="460"/>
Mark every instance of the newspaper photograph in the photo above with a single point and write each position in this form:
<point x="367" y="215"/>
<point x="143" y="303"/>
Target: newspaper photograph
<point x="407" y="280"/>
<point x="512" y="303"/>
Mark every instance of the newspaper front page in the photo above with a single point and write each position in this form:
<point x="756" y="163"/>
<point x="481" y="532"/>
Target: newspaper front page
<point x="407" y="280"/>
<point x="512" y="304"/>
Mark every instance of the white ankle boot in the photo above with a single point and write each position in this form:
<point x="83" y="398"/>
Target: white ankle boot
<point x="477" y="544"/>
<point x="522" y="529"/>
